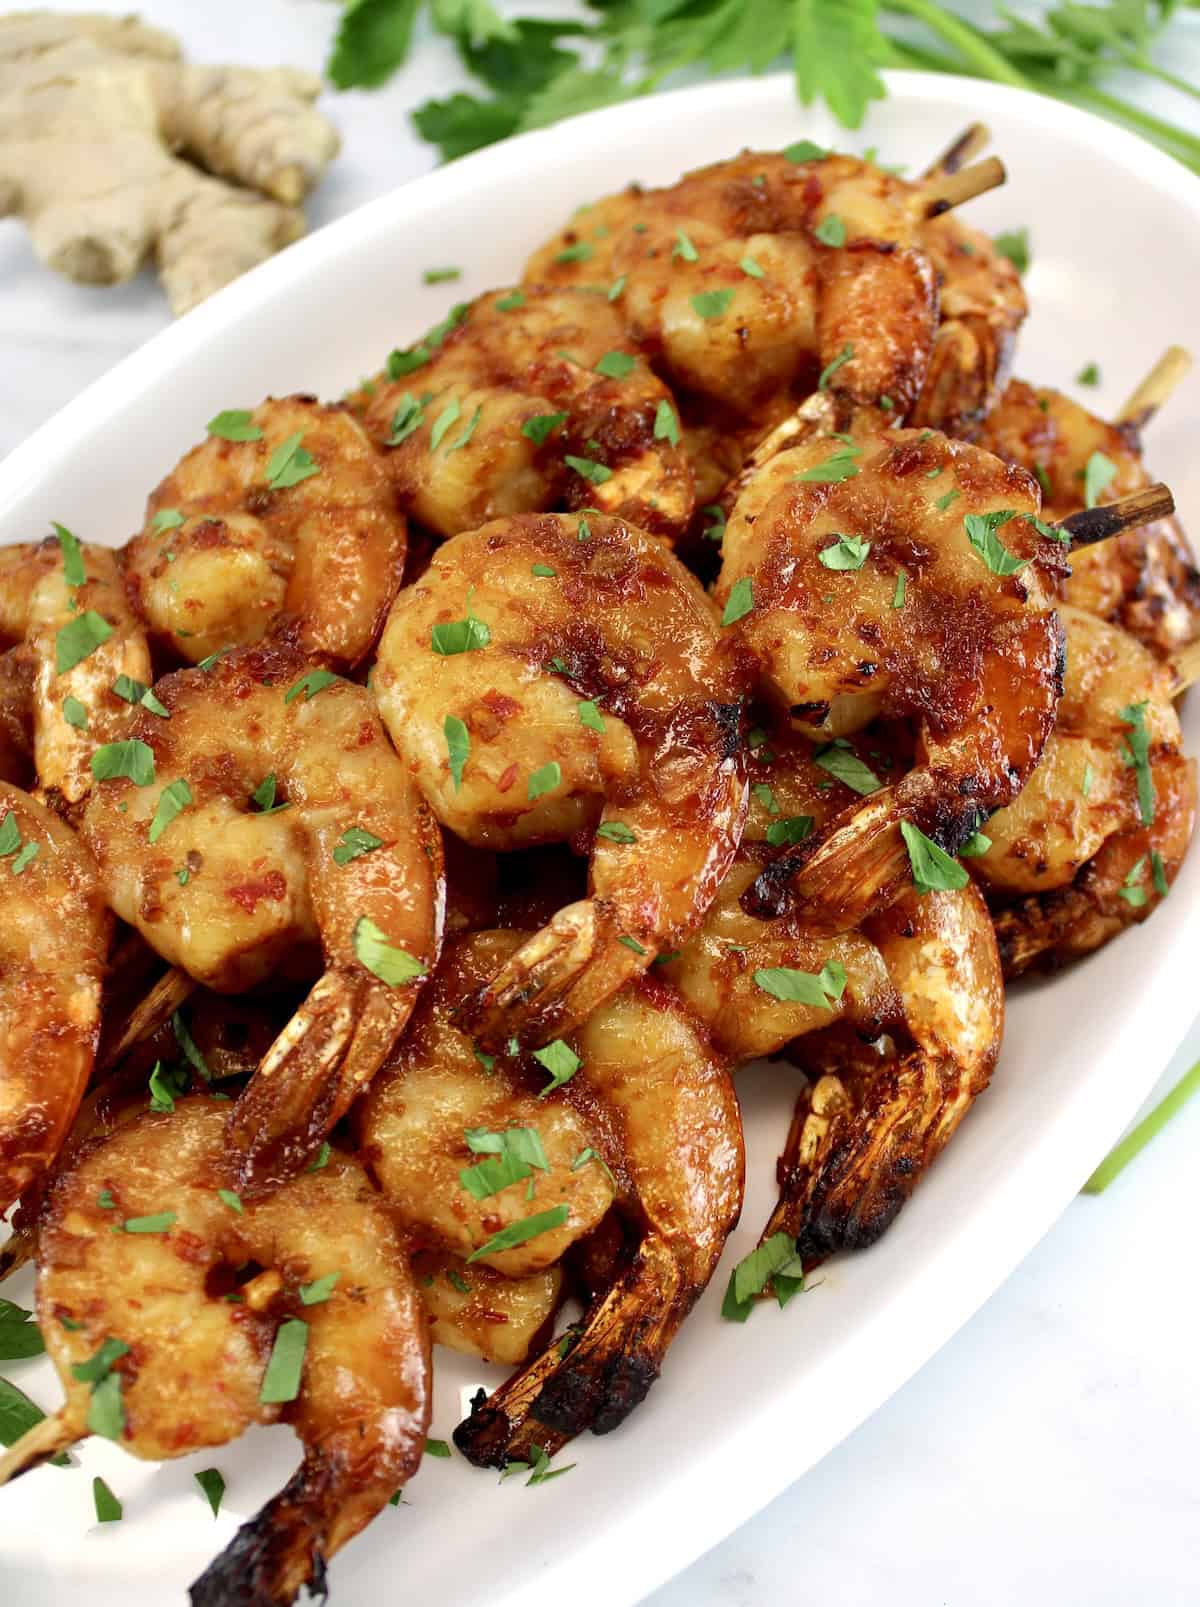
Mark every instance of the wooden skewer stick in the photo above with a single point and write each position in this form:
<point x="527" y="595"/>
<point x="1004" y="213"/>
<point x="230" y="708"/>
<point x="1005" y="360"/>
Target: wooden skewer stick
<point x="1185" y="667"/>
<point x="955" y="188"/>
<point x="973" y="139"/>
<point x="164" y="998"/>
<point x="1143" y="507"/>
<point x="1156" y="389"/>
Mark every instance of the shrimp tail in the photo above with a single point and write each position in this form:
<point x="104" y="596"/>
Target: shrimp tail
<point x="19" y="1249"/>
<point x="595" y="1382"/>
<point x="276" y="1552"/>
<point x="839" y="879"/>
<point x="47" y="1439"/>
<point x="320" y="1062"/>
<point x="858" y="1146"/>
<point x="555" y="979"/>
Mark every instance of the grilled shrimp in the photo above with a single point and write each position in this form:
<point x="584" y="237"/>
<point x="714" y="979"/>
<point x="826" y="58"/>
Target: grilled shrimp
<point x="874" y="1117"/>
<point x="528" y="400"/>
<point x="265" y="816"/>
<point x="54" y="939"/>
<point x="437" y="1089"/>
<point x="71" y="640"/>
<point x="751" y="277"/>
<point x="901" y="573"/>
<point x="1095" y="839"/>
<point x="320" y="1274"/>
<point x="1144" y="579"/>
<point x="730" y="971"/>
<point x="288" y="514"/>
<point x="555" y="679"/>
<point x="479" y="1312"/>
<point x="665" y="1132"/>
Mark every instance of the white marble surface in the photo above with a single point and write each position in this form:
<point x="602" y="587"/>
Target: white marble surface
<point x="1048" y="1453"/>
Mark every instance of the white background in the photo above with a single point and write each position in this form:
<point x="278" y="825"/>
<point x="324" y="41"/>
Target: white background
<point x="1048" y="1453"/>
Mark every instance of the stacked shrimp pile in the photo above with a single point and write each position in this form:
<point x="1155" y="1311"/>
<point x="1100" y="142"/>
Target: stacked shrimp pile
<point x="699" y="651"/>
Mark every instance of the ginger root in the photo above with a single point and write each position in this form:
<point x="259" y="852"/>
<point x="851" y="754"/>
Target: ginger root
<point x="111" y="148"/>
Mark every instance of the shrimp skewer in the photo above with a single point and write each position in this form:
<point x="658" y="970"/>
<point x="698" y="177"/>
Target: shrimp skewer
<point x="1095" y="840"/>
<point x="54" y="941"/>
<point x="592" y="700"/>
<point x="190" y="1368"/>
<point x="842" y="284"/>
<point x="340" y="856"/>
<point x="529" y="400"/>
<point x="72" y="640"/>
<point x="287" y="516"/>
<point x="966" y="642"/>
<point x="1146" y="580"/>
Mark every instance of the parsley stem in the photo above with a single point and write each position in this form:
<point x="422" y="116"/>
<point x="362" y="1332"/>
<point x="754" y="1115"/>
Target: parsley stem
<point x="1148" y="1128"/>
<point x="1178" y="142"/>
<point x="968" y="41"/>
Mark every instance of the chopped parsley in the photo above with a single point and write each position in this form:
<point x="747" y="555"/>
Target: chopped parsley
<point x="847" y="552"/>
<point x="740" y="601"/>
<point x="822" y="989"/>
<point x="78" y="639"/>
<point x="174" y="798"/>
<point x="1098" y="475"/>
<point x="319" y="1291"/>
<point x="683" y="248"/>
<point x="510" y="303"/>
<point x="1131" y="889"/>
<point x="440" y="276"/>
<point x="711" y="304"/>
<point x="1135" y="751"/>
<point x="281" y="1381"/>
<point x="590" y="715"/>
<point x="839" y="759"/>
<point x="74" y="713"/>
<point x="458" y="747"/>
<point x="1088" y="375"/>
<point x="792" y="829"/>
<point x="1014" y="244"/>
<point x="831" y="231"/>
<point x="263" y="797"/>
<point x="108" y="1508"/>
<point x="537" y="428"/>
<point x="390" y="964"/>
<point x="449" y="415"/>
<point x="943" y="502"/>
<point x="234" y="425"/>
<point x="290" y="463"/>
<point x="166" y="519"/>
<point x="140" y="695"/>
<point x="933" y="870"/>
<point x="545" y="779"/>
<point x="407" y="418"/>
<point x="561" y="1061"/>
<point x="841" y="466"/>
<point x="666" y="423"/>
<point x="468" y="432"/>
<point x="898" y="594"/>
<point x="831" y="368"/>
<point x="615" y="831"/>
<point x="616" y="365"/>
<point x="460" y="635"/>
<point x="777" y="1260"/>
<point x="751" y="268"/>
<point x="597" y="473"/>
<point x="515" y="1233"/>
<point x="981" y="531"/>
<point x="354" y="842"/>
<point x="213" y="1485"/>
<point x="73" y="571"/>
<point x="232" y="1200"/>
<point x="133" y="760"/>
<point x="309" y="685"/>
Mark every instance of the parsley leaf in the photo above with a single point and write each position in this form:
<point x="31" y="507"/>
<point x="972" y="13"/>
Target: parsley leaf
<point x="390" y="964"/>
<point x="792" y="829"/>
<point x="740" y="601"/>
<point x="615" y="831"/>
<point x="616" y="365"/>
<point x="515" y="1233"/>
<point x="710" y="304"/>
<point x="213" y="1486"/>
<point x="561" y="1061"/>
<point x="458" y="747"/>
<point x="831" y="368"/>
<point x="847" y="552"/>
<point x="597" y="473"/>
<point x="831" y="231"/>
<point x="78" y="639"/>
<point x="933" y="870"/>
<point x="309" y="685"/>
<point x="1098" y="475"/>
<point x="1014" y="244"/>
<point x="544" y="780"/>
<point x="373" y="40"/>
<point x="133" y="760"/>
<point x="774" y="1259"/>
<point x="73" y="571"/>
<point x="537" y="428"/>
<point x="281" y="1381"/>
<point x="1135" y="751"/>
<point x="1088" y="375"/>
<point x="234" y="425"/>
<point x="354" y="842"/>
<point x="461" y="635"/>
<point x="290" y="463"/>
<point x="175" y="797"/>
<point x="981" y="531"/>
<point x="666" y="423"/>
<point x="839" y="759"/>
<point x="803" y="987"/>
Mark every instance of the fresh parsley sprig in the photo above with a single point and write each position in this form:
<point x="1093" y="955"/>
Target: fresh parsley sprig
<point x="531" y="74"/>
